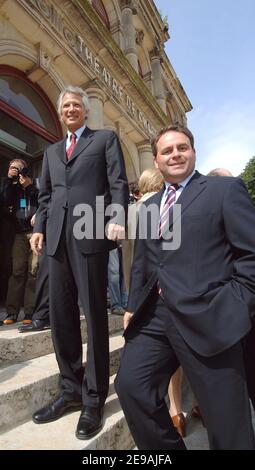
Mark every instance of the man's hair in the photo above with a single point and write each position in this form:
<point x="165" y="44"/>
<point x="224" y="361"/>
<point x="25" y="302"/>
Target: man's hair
<point x="76" y="91"/>
<point x="19" y="160"/>
<point x="151" y="180"/>
<point x="219" y="172"/>
<point x="175" y="128"/>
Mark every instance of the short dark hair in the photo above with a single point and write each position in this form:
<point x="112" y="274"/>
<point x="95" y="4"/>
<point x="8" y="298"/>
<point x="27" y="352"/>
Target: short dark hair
<point x="175" y="128"/>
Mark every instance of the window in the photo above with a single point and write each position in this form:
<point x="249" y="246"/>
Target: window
<point x="28" y="121"/>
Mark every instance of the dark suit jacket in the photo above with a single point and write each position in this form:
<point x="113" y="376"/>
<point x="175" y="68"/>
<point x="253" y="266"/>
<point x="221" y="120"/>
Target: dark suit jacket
<point x="208" y="283"/>
<point x="96" y="168"/>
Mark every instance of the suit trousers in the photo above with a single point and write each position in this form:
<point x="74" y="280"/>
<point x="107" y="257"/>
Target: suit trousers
<point x="153" y="350"/>
<point x="249" y="360"/>
<point x="41" y="309"/>
<point x="21" y="285"/>
<point x="75" y="277"/>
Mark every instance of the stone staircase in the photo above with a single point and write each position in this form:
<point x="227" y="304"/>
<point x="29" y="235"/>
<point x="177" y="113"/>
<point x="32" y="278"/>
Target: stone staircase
<point x="29" y="379"/>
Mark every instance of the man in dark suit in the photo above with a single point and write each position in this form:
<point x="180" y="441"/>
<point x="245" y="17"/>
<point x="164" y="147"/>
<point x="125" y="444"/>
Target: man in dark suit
<point x="82" y="174"/>
<point x="190" y="305"/>
<point x="249" y="340"/>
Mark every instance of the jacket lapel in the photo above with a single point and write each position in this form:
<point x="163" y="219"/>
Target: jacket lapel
<point x="195" y="186"/>
<point x="193" y="189"/>
<point x="83" y="142"/>
<point x="61" y="150"/>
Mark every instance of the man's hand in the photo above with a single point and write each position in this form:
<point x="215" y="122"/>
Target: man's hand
<point x="36" y="243"/>
<point x="13" y="172"/>
<point x="115" y="232"/>
<point x="32" y="221"/>
<point x="127" y="318"/>
<point x="25" y="181"/>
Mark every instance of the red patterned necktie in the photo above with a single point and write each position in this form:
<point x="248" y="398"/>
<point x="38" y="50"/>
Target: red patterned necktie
<point x="165" y="211"/>
<point x="164" y="219"/>
<point x="71" y="146"/>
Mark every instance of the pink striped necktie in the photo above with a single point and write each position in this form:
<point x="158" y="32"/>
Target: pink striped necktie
<point x="71" y="146"/>
<point x="165" y="210"/>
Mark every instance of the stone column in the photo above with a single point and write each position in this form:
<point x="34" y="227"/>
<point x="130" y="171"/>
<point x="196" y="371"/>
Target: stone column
<point x="157" y="81"/>
<point x="145" y="155"/>
<point x="129" y="32"/>
<point x="96" y="113"/>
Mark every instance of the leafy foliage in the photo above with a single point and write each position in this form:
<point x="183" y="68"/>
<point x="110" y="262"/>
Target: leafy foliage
<point x="248" y="175"/>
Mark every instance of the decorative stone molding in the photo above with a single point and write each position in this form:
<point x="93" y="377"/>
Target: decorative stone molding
<point x="147" y="78"/>
<point x="44" y="58"/>
<point x="128" y="4"/>
<point x="116" y="27"/>
<point x="139" y="37"/>
<point x="156" y="53"/>
<point x="144" y="145"/>
<point x="43" y="65"/>
<point x="10" y="46"/>
<point x="169" y="95"/>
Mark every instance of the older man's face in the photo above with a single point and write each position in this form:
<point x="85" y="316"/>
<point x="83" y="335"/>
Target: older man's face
<point x="73" y="113"/>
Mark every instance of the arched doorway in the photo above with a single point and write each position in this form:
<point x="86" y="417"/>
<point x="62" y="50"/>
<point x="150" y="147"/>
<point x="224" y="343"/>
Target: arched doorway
<point x="28" y="124"/>
<point x="28" y="121"/>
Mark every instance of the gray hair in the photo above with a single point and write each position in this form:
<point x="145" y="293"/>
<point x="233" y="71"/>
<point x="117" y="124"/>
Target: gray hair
<point x="76" y="90"/>
<point x="219" y="172"/>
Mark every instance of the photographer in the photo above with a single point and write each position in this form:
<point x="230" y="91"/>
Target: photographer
<point x="20" y="200"/>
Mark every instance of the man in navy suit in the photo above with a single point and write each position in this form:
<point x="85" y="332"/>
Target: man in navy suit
<point x="190" y="305"/>
<point x="84" y="168"/>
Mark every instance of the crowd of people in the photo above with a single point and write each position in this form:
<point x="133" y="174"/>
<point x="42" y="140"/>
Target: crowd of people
<point x="191" y="300"/>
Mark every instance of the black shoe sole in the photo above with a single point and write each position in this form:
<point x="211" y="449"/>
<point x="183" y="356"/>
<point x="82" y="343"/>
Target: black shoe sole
<point x="88" y="436"/>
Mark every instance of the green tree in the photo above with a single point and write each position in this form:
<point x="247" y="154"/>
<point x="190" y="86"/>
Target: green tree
<point x="248" y="175"/>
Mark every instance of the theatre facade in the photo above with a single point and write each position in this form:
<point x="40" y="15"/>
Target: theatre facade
<point x="113" y="49"/>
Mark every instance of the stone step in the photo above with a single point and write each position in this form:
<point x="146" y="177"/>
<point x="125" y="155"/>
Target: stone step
<point x="60" y="434"/>
<point x="18" y="347"/>
<point x="27" y="386"/>
<point x="115" y="435"/>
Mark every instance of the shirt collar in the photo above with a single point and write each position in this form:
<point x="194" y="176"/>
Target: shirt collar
<point x="78" y="133"/>
<point x="183" y="183"/>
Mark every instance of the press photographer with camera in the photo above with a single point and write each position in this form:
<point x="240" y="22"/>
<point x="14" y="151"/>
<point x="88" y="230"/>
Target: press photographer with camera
<point x="19" y="197"/>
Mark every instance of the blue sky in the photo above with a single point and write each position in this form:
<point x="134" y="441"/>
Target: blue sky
<point x="212" y="49"/>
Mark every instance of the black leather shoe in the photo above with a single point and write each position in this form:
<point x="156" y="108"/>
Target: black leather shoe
<point x="36" y="325"/>
<point x="55" y="410"/>
<point x="90" y="422"/>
